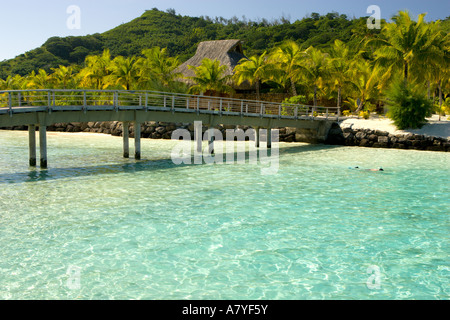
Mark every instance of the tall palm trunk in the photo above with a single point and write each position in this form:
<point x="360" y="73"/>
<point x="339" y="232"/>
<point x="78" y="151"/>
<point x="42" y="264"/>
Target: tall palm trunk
<point x="440" y="99"/>
<point x="315" y="99"/>
<point x="315" y="96"/>
<point x="258" y="89"/>
<point x="293" y="88"/>
<point x="339" y="101"/>
<point x="406" y="72"/>
<point x="360" y="105"/>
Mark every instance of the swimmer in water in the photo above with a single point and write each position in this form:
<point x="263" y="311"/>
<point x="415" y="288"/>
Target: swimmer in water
<point x="379" y="169"/>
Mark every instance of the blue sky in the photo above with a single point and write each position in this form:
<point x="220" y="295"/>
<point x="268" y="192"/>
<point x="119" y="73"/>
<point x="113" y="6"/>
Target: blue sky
<point x="27" y="24"/>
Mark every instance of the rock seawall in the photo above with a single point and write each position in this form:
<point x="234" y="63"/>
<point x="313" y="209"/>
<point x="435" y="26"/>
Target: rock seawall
<point x="381" y="139"/>
<point x="164" y="130"/>
<point x="336" y="135"/>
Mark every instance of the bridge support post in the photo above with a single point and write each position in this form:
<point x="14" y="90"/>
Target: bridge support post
<point x="137" y="140"/>
<point x="257" y="137"/>
<point x="43" y="145"/>
<point x="32" y="144"/>
<point x="269" y="138"/>
<point x="126" y="143"/>
<point x="198" y="137"/>
<point x="211" y="140"/>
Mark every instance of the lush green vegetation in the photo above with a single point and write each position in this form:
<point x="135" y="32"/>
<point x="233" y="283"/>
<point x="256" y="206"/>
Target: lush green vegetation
<point x="408" y="105"/>
<point x="320" y="60"/>
<point x="181" y="35"/>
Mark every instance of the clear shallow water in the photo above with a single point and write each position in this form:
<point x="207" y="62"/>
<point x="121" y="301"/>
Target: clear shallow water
<point x="153" y="230"/>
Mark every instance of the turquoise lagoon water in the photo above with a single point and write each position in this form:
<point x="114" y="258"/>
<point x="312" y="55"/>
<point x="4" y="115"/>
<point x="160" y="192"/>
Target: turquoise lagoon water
<point x="96" y="226"/>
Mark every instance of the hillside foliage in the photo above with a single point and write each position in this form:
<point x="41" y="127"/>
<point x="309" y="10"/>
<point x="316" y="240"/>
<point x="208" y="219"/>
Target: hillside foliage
<point x="181" y="35"/>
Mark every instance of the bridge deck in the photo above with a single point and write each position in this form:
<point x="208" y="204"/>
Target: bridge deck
<point x="46" y="107"/>
<point x="37" y="101"/>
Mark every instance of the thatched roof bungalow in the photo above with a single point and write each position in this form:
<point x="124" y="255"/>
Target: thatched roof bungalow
<point x="228" y="52"/>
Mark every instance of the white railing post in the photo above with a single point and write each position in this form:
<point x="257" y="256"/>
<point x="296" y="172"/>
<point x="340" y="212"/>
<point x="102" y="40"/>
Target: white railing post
<point x="173" y="103"/>
<point x="326" y="114"/>
<point x="146" y="101"/>
<point x="49" y="97"/>
<point x="187" y="103"/>
<point x="116" y="101"/>
<point x="198" y="105"/>
<point x="242" y="107"/>
<point x="220" y="110"/>
<point x="20" y="99"/>
<point x="296" y="112"/>
<point x="84" y="101"/>
<point x="10" y="103"/>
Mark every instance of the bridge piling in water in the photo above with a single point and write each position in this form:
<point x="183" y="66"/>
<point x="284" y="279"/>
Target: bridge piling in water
<point x="43" y="145"/>
<point x="198" y="136"/>
<point x="126" y="143"/>
<point x="257" y="137"/>
<point x="137" y="140"/>
<point x="32" y="144"/>
<point x="211" y="139"/>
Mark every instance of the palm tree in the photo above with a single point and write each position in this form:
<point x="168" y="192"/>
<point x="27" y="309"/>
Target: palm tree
<point x="438" y="69"/>
<point x="124" y="73"/>
<point x="339" y="67"/>
<point x="3" y="85"/>
<point x="210" y="78"/>
<point x="315" y="69"/>
<point x="157" y="66"/>
<point x="40" y="80"/>
<point x="408" y="45"/>
<point x="288" y="57"/>
<point x="97" y="68"/>
<point x="63" y="77"/>
<point x="364" y="81"/>
<point x="15" y="82"/>
<point x="254" y="70"/>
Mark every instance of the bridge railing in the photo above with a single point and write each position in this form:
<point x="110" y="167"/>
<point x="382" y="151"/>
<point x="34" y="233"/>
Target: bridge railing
<point x="62" y="99"/>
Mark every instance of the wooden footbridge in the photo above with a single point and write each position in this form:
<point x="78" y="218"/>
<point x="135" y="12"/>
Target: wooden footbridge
<point x="42" y="108"/>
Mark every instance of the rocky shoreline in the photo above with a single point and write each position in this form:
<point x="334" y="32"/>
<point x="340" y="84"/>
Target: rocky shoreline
<point x="346" y="136"/>
<point x="371" y="138"/>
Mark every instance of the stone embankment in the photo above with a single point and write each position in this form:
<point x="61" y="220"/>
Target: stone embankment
<point x="346" y="136"/>
<point x="382" y="139"/>
<point x="163" y="130"/>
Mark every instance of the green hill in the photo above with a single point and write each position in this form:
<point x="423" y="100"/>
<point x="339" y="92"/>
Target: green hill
<point x="181" y="35"/>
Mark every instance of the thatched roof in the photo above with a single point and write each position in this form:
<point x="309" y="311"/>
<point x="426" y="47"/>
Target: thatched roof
<point x="228" y="52"/>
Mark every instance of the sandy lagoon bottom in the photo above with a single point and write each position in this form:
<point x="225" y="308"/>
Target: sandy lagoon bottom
<point x="96" y="226"/>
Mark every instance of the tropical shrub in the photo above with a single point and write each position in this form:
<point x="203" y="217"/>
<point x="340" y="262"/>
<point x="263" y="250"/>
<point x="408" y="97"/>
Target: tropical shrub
<point x="408" y="105"/>
<point x="296" y="100"/>
<point x="346" y="113"/>
<point x="364" y="114"/>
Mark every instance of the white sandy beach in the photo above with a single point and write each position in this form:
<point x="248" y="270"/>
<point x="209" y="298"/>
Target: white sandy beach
<point x="434" y="127"/>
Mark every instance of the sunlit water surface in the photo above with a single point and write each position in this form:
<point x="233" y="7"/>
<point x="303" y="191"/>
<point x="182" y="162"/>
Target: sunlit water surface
<point x="97" y="226"/>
